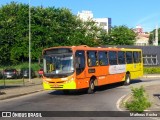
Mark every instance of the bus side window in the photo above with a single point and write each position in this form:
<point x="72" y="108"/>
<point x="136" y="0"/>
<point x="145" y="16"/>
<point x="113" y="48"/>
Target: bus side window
<point x="139" y="57"/>
<point x="129" y="57"/>
<point x="103" y="58"/>
<point x="92" y="58"/>
<point x="121" y="57"/>
<point x="135" y="57"/>
<point x="112" y="57"/>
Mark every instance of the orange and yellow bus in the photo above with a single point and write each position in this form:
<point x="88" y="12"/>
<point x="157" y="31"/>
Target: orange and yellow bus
<point x="77" y="67"/>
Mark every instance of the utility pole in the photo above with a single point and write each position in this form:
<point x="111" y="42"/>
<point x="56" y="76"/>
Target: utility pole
<point x="29" y="42"/>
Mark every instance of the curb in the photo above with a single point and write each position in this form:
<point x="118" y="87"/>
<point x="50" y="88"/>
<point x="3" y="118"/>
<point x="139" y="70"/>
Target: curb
<point x="124" y="99"/>
<point x="151" y="76"/>
<point x="13" y="96"/>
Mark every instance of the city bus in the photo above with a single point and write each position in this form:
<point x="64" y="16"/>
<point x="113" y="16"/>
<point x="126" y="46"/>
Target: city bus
<point x="82" y="67"/>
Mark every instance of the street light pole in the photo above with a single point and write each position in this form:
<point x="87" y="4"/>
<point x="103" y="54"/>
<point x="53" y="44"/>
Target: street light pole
<point x="29" y="41"/>
<point x="156" y="36"/>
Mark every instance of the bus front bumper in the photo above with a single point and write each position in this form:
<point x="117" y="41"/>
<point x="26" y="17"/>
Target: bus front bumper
<point x="59" y="86"/>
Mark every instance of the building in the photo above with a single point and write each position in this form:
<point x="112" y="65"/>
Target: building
<point x="85" y="15"/>
<point x="138" y="29"/>
<point x="142" y="38"/>
<point x="104" y="23"/>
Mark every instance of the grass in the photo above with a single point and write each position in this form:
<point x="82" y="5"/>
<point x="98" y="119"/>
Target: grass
<point x="139" y="101"/>
<point x="151" y="70"/>
<point x="11" y="81"/>
<point x="24" y="81"/>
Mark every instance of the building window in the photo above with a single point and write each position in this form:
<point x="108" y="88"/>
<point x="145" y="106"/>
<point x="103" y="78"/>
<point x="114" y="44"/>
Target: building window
<point x="103" y="24"/>
<point x="150" y="59"/>
<point x="103" y="58"/>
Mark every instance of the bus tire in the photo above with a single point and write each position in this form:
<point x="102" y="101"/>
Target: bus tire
<point x="127" y="79"/>
<point x="91" y="88"/>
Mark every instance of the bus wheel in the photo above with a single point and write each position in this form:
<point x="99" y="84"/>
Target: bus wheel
<point x="65" y="92"/>
<point x="127" y="79"/>
<point x="91" y="87"/>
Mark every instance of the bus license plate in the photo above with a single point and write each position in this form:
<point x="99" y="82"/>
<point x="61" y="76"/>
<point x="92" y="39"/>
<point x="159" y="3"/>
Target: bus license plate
<point x="55" y="85"/>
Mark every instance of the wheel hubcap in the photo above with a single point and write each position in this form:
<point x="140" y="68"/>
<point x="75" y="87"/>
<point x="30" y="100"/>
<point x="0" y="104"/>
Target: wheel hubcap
<point x="128" y="80"/>
<point x="92" y="86"/>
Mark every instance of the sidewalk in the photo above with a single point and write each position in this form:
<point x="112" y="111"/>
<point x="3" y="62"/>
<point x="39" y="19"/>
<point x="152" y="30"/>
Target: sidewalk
<point x="151" y="75"/>
<point x="35" y="85"/>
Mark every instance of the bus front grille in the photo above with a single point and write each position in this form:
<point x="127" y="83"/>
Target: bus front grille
<point x="56" y="86"/>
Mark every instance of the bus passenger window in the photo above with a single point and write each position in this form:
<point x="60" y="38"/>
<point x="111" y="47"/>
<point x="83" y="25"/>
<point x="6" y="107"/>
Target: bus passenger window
<point x="92" y="58"/>
<point x="112" y="57"/>
<point x="129" y="59"/>
<point x="121" y="57"/>
<point x="139" y="57"/>
<point x="103" y="58"/>
<point x="135" y="57"/>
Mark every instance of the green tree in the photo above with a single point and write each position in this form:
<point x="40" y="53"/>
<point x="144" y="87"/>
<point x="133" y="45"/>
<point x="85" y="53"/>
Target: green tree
<point x="59" y="27"/>
<point x="50" y="27"/>
<point x="13" y="32"/>
<point x="119" y="35"/>
<point x="86" y="33"/>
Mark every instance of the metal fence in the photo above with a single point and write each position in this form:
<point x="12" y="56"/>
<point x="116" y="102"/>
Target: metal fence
<point x="11" y="83"/>
<point x="150" y="60"/>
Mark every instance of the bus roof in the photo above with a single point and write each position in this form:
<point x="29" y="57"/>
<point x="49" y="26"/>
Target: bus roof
<point x="85" y="47"/>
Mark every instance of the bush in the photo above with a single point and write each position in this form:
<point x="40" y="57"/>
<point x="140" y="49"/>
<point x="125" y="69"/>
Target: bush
<point x="152" y="70"/>
<point x="139" y="102"/>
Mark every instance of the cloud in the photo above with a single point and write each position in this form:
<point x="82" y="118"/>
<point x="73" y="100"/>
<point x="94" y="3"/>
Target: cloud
<point x="149" y="22"/>
<point x="152" y="17"/>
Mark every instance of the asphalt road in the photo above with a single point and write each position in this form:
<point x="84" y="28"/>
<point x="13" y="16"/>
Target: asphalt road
<point x="104" y="99"/>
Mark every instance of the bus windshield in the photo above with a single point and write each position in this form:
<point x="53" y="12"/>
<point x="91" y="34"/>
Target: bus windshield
<point x="58" y="64"/>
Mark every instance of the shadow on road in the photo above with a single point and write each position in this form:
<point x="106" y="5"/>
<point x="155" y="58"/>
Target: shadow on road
<point x="11" y="86"/>
<point x="100" y="88"/>
<point x="136" y="81"/>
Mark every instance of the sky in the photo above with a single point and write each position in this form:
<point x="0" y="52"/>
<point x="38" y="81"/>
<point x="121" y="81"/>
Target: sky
<point x="122" y="12"/>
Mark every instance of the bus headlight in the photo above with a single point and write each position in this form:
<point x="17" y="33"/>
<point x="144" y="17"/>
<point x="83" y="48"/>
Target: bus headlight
<point x="70" y="80"/>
